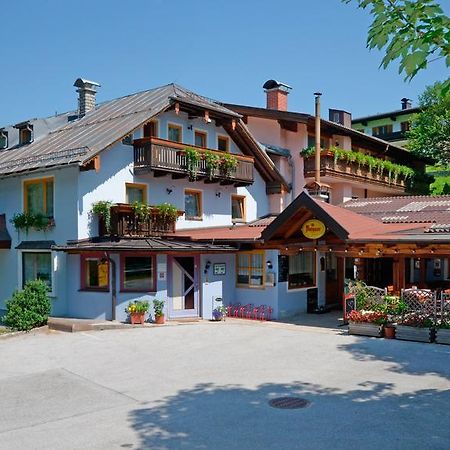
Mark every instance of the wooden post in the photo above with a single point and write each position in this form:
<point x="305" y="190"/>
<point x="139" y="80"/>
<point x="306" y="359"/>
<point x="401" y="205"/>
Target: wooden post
<point x="340" y="273"/>
<point x="398" y="276"/>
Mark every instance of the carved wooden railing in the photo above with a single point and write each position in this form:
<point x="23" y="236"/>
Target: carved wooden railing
<point x="161" y="156"/>
<point x="351" y="170"/>
<point x="125" y="223"/>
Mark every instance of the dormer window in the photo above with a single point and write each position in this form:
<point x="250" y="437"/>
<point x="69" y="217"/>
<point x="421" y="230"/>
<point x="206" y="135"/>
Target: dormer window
<point x="25" y="132"/>
<point x="3" y="139"/>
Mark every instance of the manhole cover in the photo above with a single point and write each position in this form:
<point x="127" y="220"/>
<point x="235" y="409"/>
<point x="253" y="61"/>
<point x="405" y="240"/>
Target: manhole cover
<point x="289" y="403"/>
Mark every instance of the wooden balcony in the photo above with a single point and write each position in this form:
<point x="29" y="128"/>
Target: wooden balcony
<point x="125" y="223"/>
<point x="166" y="157"/>
<point x="351" y="171"/>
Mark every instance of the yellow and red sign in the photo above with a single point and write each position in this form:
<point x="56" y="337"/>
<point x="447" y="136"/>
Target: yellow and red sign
<point x="313" y="229"/>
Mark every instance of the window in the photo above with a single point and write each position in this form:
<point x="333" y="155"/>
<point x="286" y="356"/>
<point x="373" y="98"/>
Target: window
<point x="200" y="138"/>
<point x="302" y="270"/>
<point x="3" y="139"/>
<point x="381" y="130"/>
<point x="136" y="193"/>
<point x="38" y="196"/>
<point x="250" y="269"/>
<point x="174" y="132"/>
<point x="312" y="142"/>
<point x="25" y="134"/>
<point x="223" y="143"/>
<point x="193" y="204"/>
<point x="151" y="129"/>
<point x="238" y="208"/>
<point x="405" y="126"/>
<point x="137" y="273"/>
<point x="94" y="273"/>
<point x="37" y="266"/>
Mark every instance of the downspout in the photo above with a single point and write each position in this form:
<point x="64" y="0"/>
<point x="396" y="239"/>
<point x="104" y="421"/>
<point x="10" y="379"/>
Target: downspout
<point x="317" y="123"/>
<point x="291" y="165"/>
<point x="113" y="286"/>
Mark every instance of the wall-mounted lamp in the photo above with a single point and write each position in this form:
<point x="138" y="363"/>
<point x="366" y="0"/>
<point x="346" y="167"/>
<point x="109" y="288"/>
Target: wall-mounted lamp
<point x="207" y="266"/>
<point x="218" y="194"/>
<point x="169" y="191"/>
<point x="206" y="117"/>
<point x="177" y="108"/>
<point x="269" y="264"/>
<point x="189" y="127"/>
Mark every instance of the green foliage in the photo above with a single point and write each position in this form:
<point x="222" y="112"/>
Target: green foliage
<point x="414" y="32"/>
<point x="212" y="161"/>
<point x="102" y="208"/>
<point x="168" y="212"/>
<point x="141" y="210"/>
<point x="308" y="152"/>
<point x="192" y="161"/>
<point x="27" y="220"/>
<point x="137" y="307"/>
<point x="380" y="165"/>
<point x="28" y="308"/>
<point x="158" y="307"/>
<point x="430" y="129"/>
<point x="228" y="164"/>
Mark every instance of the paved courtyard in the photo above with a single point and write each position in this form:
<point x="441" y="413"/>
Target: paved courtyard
<point x="207" y="386"/>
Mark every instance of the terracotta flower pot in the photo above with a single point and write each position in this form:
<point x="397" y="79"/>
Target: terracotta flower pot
<point x="137" y="318"/>
<point x="389" y="332"/>
<point x="159" y="320"/>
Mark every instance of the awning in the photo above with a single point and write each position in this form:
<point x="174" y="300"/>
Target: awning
<point x="160" y="245"/>
<point x="35" y="245"/>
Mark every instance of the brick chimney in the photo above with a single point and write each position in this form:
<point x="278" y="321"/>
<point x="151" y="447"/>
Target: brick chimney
<point x="276" y="95"/>
<point x="86" y="95"/>
<point x="406" y="103"/>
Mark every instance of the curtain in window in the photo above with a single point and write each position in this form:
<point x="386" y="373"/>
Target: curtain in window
<point x="37" y="266"/>
<point x="35" y="198"/>
<point x="301" y="270"/>
<point x="192" y="205"/>
<point x="135" y="194"/>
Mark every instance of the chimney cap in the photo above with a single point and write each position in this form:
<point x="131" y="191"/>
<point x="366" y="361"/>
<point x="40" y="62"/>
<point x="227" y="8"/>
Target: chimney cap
<point x="274" y="84"/>
<point x="85" y="84"/>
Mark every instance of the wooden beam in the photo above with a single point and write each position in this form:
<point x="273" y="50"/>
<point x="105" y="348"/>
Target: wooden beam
<point x="288" y="125"/>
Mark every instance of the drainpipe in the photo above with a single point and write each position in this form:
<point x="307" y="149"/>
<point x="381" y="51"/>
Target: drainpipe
<point x="113" y="286"/>
<point x="291" y="165"/>
<point x="317" y="123"/>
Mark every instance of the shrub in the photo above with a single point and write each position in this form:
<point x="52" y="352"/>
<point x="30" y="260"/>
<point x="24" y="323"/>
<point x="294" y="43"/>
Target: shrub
<point x="28" y="308"/>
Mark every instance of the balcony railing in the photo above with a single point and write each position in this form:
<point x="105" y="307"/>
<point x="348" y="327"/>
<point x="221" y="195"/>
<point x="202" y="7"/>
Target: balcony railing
<point x="125" y="223"/>
<point x="166" y="157"/>
<point x="351" y="171"/>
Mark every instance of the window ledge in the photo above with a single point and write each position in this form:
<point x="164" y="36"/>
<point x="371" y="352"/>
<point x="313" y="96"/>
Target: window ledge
<point x="93" y="290"/>
<point x="198" y="219"/>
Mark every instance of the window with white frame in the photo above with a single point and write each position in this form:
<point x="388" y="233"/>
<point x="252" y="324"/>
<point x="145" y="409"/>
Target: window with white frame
<point x="37" y="266"/>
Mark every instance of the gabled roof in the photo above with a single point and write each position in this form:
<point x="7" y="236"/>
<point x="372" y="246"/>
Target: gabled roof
<point x="78" y="141"/>
<point x="385" y="115"/>
<point x="344" y="223"/>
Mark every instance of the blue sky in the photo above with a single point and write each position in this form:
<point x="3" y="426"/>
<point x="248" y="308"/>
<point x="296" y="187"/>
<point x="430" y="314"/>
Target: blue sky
<point x="223" y="49"/>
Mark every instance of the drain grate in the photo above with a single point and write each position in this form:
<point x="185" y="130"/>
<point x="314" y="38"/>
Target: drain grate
<point x="289" y="403"/>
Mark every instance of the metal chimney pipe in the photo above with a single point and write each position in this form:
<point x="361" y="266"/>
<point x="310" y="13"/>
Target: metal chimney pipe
<point x="317" y="120"/>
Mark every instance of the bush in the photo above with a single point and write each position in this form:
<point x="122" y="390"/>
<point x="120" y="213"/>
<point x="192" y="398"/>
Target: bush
<point x="28" y="308"/>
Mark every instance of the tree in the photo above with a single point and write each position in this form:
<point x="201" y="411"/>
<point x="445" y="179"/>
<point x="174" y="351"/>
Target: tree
<point x="415" y="32"/>
<point x="430" y="129"/>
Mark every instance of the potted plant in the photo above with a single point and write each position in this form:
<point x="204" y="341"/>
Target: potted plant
<point x="192" y="162"/>
<point x="443" y="332"/>
<point x="228" y="164"/>
<point x="366" y="323"/>
<point x="136" y="311"/>
<point x="393" y="307"/>
<point x="102" y="209"/>
<point x="212" y="161"/>
<point x="219" y="313"/>
<point x="27" y="220"/>
<point x="415" y="327"/>
<point x="158" y="308"/>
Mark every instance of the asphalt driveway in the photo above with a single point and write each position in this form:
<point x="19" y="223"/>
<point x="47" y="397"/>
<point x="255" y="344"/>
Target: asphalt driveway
<point x="207" y="386"/>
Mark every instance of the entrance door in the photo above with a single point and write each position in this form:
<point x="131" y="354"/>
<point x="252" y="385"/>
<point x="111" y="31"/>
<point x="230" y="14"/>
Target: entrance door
<point x="183" y="287"/>
<point x="334" y="287"/>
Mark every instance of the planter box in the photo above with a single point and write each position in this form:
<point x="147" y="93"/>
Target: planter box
<point x="442" y="336"/>
<point x="365" y="329"/>
<point x="414" y="334"/>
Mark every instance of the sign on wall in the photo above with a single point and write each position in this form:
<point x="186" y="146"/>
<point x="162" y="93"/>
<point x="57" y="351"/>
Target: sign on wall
<point x="219" y="268"/>
<point x="313" y="229"/>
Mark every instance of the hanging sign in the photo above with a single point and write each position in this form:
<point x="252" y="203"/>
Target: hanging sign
<point x="313" y="229"/>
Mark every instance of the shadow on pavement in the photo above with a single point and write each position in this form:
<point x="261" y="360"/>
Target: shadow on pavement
<point x="223" y="417"/>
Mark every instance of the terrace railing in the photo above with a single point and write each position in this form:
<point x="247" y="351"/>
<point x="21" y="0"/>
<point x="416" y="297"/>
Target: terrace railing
<point x="164" y="157"/>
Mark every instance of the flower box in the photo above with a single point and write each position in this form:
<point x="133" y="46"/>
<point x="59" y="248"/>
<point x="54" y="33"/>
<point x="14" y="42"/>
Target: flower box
<point x="443" y="336"/>
<point x="417" y="334"/>
<point x="365" y="329"/>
